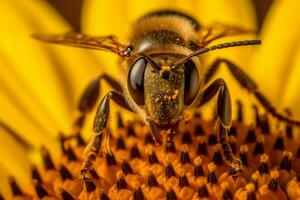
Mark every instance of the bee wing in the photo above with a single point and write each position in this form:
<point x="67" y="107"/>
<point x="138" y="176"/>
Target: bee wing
<point x="217" y="31"/>
<point x="104" y="43"/>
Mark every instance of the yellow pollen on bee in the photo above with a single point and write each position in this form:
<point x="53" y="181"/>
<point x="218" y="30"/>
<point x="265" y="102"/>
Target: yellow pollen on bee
<point x="167" y="97"/>
<point x="175" y="94"/>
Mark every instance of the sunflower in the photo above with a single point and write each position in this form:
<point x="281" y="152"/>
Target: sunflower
<point x="40" y="84"/>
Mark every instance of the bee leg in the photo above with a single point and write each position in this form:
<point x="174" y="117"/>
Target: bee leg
<point x="100" y="123"/>
<point x="90" y="96"/>
<point x="224" y="30"/>
<point x="93" y="150"/>
<point x="237" y="72"/>
<point x="246" y="82"/>
<point x="155" y="133"/>
<point x="224" y="118"/>
<point x="107" y="141"/>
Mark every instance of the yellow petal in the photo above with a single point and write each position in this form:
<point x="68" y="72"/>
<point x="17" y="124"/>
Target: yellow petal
<point x="4" y="186"/>
<point x="290" y="91"/>
<point x="30" y="63"/>
<point x="136" y="9"/>
<point x="98" y="17"/>
<point x="236" y="12"/>
<point x="14" y="161"/>
<point x="23" y="124"/>
<point x="78" y="66"/>
<point x="21" y="98"/>
<point x="280" y="35"/>
<point x="50" y="78"/>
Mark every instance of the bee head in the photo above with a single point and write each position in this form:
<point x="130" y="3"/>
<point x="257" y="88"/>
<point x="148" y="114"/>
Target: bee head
<point x="161" y="90"/>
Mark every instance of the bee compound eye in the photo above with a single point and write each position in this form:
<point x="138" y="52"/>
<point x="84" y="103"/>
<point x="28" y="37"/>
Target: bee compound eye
<point x="136" y="80"/>
<point x="191" y="82"/>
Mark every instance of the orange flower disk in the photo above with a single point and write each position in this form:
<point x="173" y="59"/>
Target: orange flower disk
<point x="191" y="168"/>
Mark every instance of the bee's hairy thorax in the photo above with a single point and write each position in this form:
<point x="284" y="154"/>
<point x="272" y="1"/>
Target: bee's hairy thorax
<point x="163" y="28"/>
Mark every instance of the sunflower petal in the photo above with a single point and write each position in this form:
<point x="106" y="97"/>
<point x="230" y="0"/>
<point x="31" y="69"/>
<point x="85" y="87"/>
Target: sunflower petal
<point x="23" y="124"/>
<point x="290" y="92"/>
<point x="12" y="87"/>
<point x="4" y="186"/>
<point x="24" y="53"/>
<point x="280" y="35"/>
<point x="78" y="66"/>
<point x="53" y="77"/>
<point x="105" y="18"/>
<point x="14" y="161"/>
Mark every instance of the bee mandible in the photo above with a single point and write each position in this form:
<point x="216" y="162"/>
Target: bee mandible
<point x="163" y="77"/>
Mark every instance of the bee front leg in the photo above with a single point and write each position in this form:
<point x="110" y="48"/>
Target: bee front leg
<point x="90" y="96"/>
<point x="155" y="132"/>
<point x="100" y="124"/>
<point x="224" y="118"/>
<point x="246" y="82"/>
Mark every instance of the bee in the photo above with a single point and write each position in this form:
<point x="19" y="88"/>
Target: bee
<point x="163" y="78"/>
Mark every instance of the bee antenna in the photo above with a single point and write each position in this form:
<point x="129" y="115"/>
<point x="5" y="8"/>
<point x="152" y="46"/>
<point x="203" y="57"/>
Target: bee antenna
<point x="214" y="47"/>
<point x="151" y="61"/>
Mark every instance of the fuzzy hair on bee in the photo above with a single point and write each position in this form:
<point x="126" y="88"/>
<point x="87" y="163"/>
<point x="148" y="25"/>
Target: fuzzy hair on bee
<point x="163" y="77"/>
